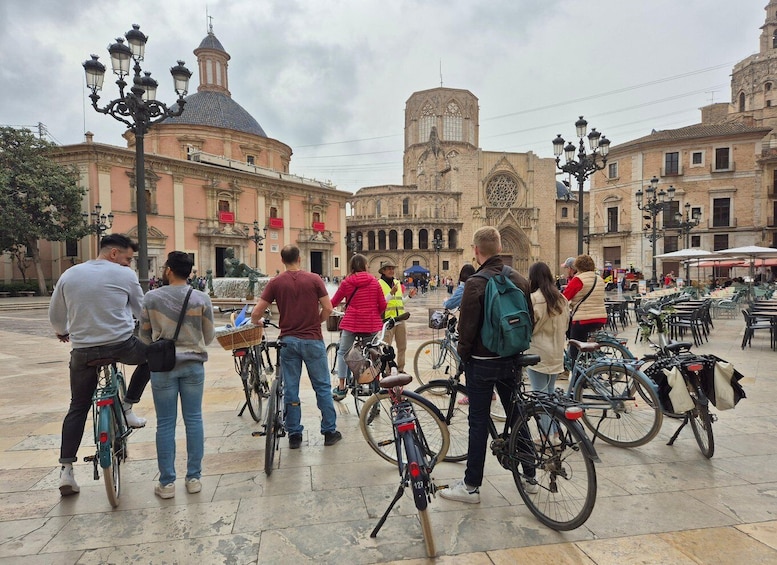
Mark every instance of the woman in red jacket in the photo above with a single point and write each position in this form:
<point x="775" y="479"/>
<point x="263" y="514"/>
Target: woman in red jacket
<point x="364" y="306"/>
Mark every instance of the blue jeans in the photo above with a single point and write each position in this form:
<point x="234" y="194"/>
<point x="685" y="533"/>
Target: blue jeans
<point x="482" y="376"/>
<point x="313" y="353"/>
<point x="186" y="380"/>
<point x="542" y="382"/>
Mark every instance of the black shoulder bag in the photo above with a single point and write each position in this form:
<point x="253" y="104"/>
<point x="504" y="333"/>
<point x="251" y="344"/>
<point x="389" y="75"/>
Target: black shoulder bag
<point x="161" y="353"/>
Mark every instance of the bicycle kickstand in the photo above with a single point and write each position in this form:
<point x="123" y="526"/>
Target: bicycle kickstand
<point x="243" y="409"/>
<point x="677" y="433"/>
<point x="400" y="492"/>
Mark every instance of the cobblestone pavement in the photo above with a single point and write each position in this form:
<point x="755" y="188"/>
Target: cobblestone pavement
<point x="656" y="504"/>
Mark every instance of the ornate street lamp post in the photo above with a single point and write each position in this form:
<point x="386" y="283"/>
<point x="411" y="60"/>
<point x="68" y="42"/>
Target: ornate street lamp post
<point x="585" y="165"/>
<point x="139" y="110"/>
<point x="437" y="245"/>
<point x="685" y="224"/>
<point x="653" y="202"/>
<point x="98" y="222"/>
<point x="258" y="238"/>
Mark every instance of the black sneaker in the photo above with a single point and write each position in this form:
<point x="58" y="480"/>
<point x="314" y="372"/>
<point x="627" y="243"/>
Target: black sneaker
<point x="295" y="441"/>
<point x="331" y="438"/>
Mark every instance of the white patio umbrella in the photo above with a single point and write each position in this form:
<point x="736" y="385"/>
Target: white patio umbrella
<point x="686" y="255"/>
<point x="751" y="253"/>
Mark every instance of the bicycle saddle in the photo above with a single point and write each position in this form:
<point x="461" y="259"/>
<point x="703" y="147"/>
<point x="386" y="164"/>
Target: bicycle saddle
<point x="584" y="346"/>
<point x="391" y="381"/>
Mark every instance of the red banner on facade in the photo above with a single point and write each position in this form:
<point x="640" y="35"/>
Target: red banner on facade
<point x="318" y="226"/>
<point x="276" y="223"/>
<point x="226" y="217"/>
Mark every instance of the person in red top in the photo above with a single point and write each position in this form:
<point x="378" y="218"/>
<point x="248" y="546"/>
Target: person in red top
<point x="585" y="293"/>
<point x="303" y="304"/>
<point x="364" y="306"/>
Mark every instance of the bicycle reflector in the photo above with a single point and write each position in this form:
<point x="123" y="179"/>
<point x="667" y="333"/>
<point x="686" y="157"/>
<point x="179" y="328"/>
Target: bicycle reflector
<point x="103" y="437"/>
<point x="573" y="413"/>
<point x="240" y="353"/>
<point x="415" y="470"/>
<point x="695" y="367"/>
<point x="406" y="427"/>
<point x="105" y="402"/>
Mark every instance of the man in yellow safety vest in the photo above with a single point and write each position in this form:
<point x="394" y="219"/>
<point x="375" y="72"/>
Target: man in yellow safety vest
<point x="394" y="292"/>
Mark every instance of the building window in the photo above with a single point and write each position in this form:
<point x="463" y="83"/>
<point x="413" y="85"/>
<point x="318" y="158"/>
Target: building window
<point x="371" y="240"/>
<point x="393" y="238"/>
<point x="564" y="212"/>
<point x="453" y="239"/>
<point x="423" y="239"/>
<point x="452" y="122"/>
<point x="720" y="241"/>
<point x="71" y="248"/>
<point x="273" y="212"/>
<point x="612" y="170"/>
<point x="741" y="101"/>
<point x="337" y="262"/>
<point x="316" y="217"/>
<point x="250" y="159"/>
<point x="672" y="163"/>
<point x="426" y="122"/>
<point x="696" y="241"/>
<point x="406" y="207"/>
<point x="445" y="265"/>
<point x="501" y="191"/>
<point x="721" y="213"/>
<point x="669" y="218"/>
<point x="378" y="207"/>
<point x="768" y="103"/>
<point x="767" y="86"/>
<point x="407" y="239"/>
<point x="612" y="219"/>
<point x="382" y="240"/>
<point x="223" y="205"/>
<point x="722" y="161"/>
<point x="670" y="243"/>
<point x="697" y="158"/>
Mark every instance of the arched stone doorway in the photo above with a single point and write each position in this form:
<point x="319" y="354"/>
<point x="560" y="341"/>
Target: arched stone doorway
<point x="516" y="249"/>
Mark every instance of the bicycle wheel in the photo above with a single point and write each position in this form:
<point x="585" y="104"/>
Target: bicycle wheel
<point x="272" y="426"/>
<point x="109" y="453"/>
<point x="249" y="374"/>
<point x="615" y="409"/>
<point x="564" y="475"/>
<point x="331" y="361"/>
<point x="417" y="475"/>
<point x="378" y="429"/>
<point x="613" y="349"/>
<point x="445" y="395"/>
<point x="433" y="361"/>
<point x="701" y="424"/>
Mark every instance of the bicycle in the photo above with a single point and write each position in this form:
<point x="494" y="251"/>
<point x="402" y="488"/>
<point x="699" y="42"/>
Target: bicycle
<point x="542" y="443"/>
<point x="416" y="466"/>
<point x="669" y="355"/>
<point x="275" y="418"/>
<point x="360" y="391"/>
<point x="110" y="426"/>
<point x="253" y="364"/>
<point x="624" y="399"/>
<point x="375" y="419"/>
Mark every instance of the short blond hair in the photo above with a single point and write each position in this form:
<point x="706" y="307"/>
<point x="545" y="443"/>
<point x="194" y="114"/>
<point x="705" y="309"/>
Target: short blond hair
<point x="488" y="240"/>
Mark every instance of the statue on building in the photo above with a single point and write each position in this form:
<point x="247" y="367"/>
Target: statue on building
<point x="235" y="268"/>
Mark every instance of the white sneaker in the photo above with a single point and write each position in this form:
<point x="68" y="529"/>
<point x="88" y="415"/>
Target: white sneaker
<point x="460" y="492"/>
<point x="193" y="486"/>
<point x="531" y="486"/>
<point x="134" y="421"/>
<point x="67" y="481"/>
<point x="165" y="491"/>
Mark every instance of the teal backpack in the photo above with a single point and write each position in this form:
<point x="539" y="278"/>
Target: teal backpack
<point x="507" y="325"/>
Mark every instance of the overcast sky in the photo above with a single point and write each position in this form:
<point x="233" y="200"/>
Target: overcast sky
<point x="330" y="78"/>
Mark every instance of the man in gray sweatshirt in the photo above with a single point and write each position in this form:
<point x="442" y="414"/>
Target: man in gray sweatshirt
<point x="92" y="308"/>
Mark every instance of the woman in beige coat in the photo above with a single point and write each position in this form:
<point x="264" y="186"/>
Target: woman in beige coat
<point x="551" y="317"/>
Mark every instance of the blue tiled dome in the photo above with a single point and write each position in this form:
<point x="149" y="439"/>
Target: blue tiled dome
<point x="210" y="42"/>
<point x="562" y="191"/>
<point x="216" y="109"/>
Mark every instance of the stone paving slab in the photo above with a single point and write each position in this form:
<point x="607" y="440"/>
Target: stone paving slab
<point x="655" y="504"/>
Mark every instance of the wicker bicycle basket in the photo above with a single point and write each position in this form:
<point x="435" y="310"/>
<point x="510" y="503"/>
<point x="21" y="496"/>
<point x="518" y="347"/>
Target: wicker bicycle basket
<point x="244" y="336"/>
<point x="333" y="321"/>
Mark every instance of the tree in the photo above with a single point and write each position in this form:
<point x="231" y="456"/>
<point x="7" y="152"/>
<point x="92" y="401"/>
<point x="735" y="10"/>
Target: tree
<point x="39" y="198"/>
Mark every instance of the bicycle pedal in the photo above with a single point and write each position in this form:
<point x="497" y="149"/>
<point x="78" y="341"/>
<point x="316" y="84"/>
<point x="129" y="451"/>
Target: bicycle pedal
<point x="258" y="434"/>
<point x="89" y="459"/>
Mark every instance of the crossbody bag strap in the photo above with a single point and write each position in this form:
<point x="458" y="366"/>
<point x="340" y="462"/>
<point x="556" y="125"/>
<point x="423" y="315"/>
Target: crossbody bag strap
<point x="183" y="313"/>
<point x="347" y="302"/>
<point x="584" y="298"/>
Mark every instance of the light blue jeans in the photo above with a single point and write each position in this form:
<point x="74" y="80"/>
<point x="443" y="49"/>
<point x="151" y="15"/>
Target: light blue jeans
<point x="186" y="380"/>
<point x="346" y="342"/>
<point x="313" y="353"/>
<point x="542" y="382"/>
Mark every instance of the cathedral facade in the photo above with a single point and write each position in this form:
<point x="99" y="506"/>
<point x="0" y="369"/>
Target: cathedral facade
<point x="451" y="187"/>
